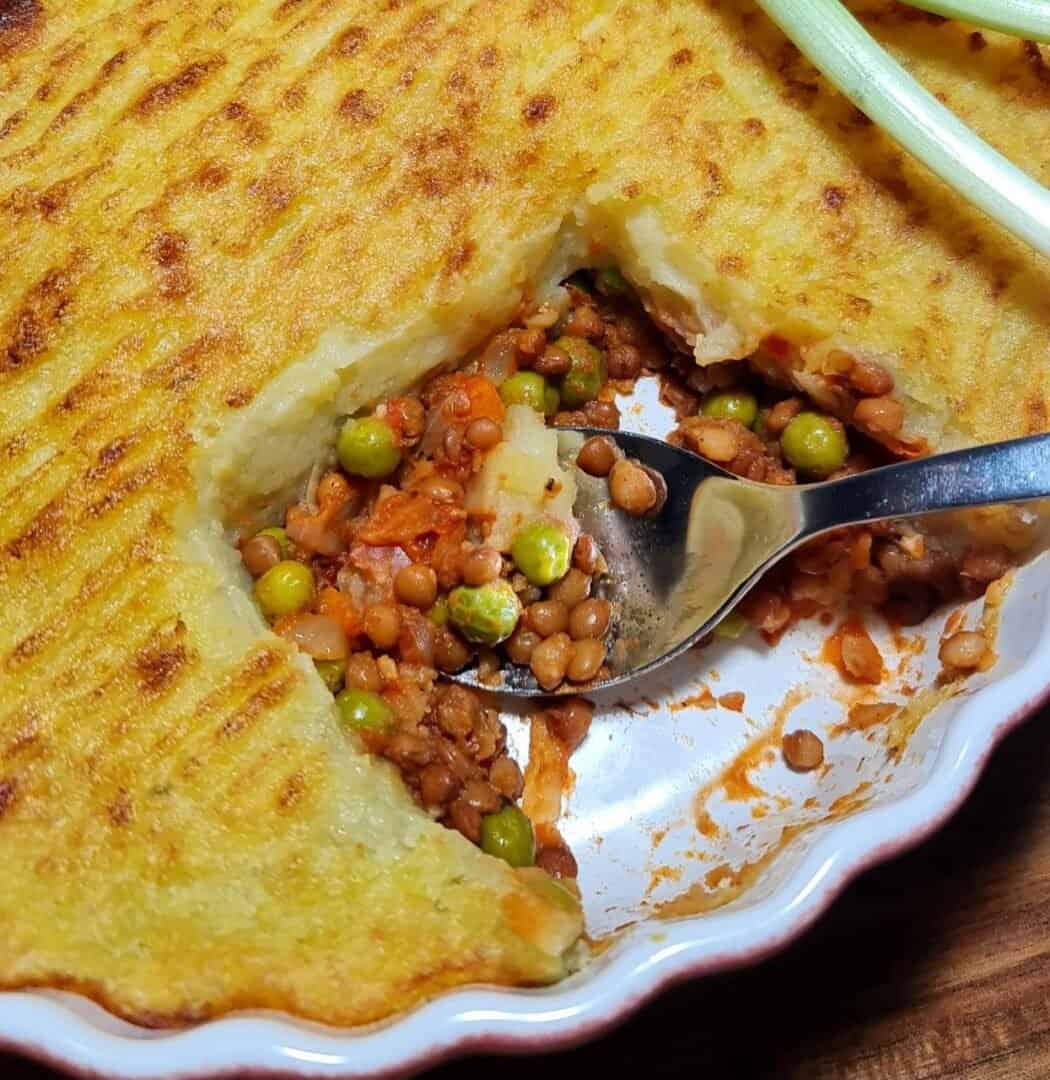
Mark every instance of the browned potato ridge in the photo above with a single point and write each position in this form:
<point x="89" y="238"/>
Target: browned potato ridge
<point x="194" y="198"/>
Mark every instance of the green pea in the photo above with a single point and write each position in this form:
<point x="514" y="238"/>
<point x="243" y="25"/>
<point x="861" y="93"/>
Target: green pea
<point x="485" y="614"/>
<point x="542" y="551"/>
<point x="525" y="388"/>
<point x="368" y="447"/>
<point x="361" y="710"/>
<point x="551" y="401"/>
<point x="331" y="672"/>
<point x="814" y="444"/>
<point x="610" y="281"/>
<point x="733" y="626"/>
<point x="438" y="614"/>
<point x="586" y="375"/>
<point x="508" y="835"/>
<point x="732" y="405"/>
<point x="280" y="536"/>
<point x="284" y="589"/>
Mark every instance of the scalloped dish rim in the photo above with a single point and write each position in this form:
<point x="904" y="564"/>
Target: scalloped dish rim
<point x="74" y="1034"/>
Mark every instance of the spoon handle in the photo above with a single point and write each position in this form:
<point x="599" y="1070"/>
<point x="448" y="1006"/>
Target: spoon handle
<point x="1015" y="471"/>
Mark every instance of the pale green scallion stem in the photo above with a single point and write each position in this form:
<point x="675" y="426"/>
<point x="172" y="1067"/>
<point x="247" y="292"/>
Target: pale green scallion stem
<point x="851" y="59"/>
<point x="1029" y="19"/>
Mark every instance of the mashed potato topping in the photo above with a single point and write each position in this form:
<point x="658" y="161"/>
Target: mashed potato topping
<point x="220" y="226"/>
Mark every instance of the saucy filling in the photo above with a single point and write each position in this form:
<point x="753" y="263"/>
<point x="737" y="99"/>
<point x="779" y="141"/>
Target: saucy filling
<point x="442" y="533"/>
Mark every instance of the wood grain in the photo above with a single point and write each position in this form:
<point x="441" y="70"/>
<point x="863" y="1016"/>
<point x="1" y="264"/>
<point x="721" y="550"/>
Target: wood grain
<point x="933" y="966"/>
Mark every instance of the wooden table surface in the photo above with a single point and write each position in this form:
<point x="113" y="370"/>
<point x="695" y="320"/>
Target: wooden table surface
<point x="936" y="965"/>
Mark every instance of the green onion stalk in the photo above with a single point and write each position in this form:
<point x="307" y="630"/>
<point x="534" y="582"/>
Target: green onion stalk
<point x="1028" y="19"/>
<point x="851" y="59"/>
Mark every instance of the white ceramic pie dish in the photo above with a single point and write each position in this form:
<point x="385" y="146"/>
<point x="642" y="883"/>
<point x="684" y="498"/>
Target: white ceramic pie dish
<point x="649" y="820"/>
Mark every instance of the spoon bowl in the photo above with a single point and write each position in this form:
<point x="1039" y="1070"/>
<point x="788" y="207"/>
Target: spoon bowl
<point x="676" y="572"/>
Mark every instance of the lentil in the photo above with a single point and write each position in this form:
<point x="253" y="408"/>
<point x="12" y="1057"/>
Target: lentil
<point x="458" y="710"/>
<point x="553" y="363"/>
<point x="985" y="565"/>
<point x="408" y="750"/>
<point x="437" y="784"/>
<point x="382" y="624"/>
<point x="441" y="489"/>
<point x="574" y="587"/>
<point x="558" y="861"/>
<point x="603" y="414"/>
<point x="547" y="617"/>
<point x="781" y="414"/>
<point x="870" y="379"/>
<point x="631" y="488"/>
<point x="483" y="433"/>
<point x="569" y="720"/>
<point x="481" y="565"/>
<point x="963" y="650"/>
<point x="260" y="553"/>
<point x="589" y="619"/>
<point x="505" y="776"/>
<point x="624" y="362"/>
<point x="481" y="795"/>
<point x="451" y="653"/>
<point x="465" y="818"/>
<point x="586" y="555"/>
<point x="520" y="644"/>
<point x="879" y="416"/>
<point x="416" y="585"/>
<point x="584" y="322"/>
<point x="803" y="750"/>
<point x="588" y="655"/>
<point x="597" y="456"/>
<point x="550" y="660"/>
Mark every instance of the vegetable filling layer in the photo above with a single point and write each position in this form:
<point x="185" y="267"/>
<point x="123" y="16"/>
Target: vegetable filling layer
<point x="442" y="533"/>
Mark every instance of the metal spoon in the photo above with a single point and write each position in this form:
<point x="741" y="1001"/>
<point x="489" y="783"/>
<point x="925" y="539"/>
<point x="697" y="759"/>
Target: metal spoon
<point x="674" y="575"/>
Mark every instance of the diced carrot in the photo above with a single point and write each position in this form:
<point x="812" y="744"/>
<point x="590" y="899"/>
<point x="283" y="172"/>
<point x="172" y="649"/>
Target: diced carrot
<point x="406" y="516"/>
<point x="484" y="398"/>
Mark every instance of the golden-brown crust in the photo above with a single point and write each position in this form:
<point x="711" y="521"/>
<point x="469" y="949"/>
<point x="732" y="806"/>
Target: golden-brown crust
<point x="192" y="195"/>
